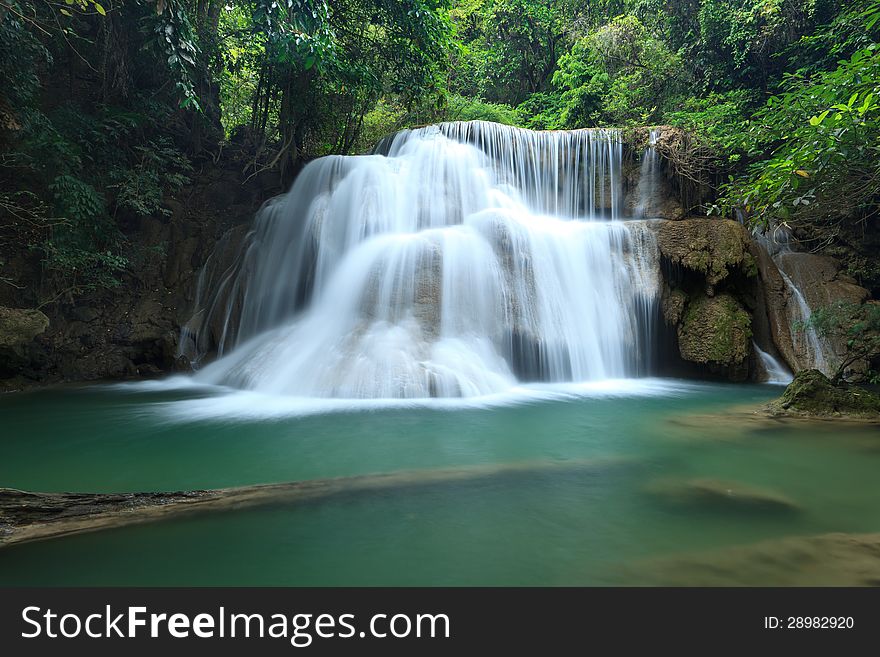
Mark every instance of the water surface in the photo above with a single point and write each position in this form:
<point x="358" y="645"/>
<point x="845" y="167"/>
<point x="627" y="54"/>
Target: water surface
<point x="565" y="526"/>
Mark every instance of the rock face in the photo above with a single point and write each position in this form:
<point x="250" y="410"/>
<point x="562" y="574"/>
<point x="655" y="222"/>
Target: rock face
<point x="822" y="282"/>
<point x="131" y="330"/>
<point x="820" y="278"/>
<point x="775" y="318"/>
<point x="710" y="277"/>
<point x="716" y="331"/>
<point x="714" y="248"/>
<point x="19" y="327"/>
<point x="811" y="394"/>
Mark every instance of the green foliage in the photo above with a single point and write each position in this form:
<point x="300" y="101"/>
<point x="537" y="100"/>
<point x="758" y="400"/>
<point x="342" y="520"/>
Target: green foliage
<point x="140" y="188"/>
<point x="81" y="251"/>
<point x="467" y="109"/>
<point x="717" y="122"/>
<point x="161" y="82"/>
<point x="824" y="133"/>
<point x="175" y="38"/>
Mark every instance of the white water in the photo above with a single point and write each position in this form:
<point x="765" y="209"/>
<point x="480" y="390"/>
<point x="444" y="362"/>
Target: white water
<point x="648" y="173"/>
<point x="470" y="258"/>
<point x="775" y="370"/>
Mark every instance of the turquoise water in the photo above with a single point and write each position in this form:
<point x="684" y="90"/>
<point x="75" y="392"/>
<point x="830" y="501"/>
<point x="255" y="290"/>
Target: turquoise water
<point x="577" y="525"/>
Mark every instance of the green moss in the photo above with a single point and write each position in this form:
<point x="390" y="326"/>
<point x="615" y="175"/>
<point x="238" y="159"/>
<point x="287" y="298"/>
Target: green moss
<point x="750" y="265"/>
<point x="715" y="330"/>
<point x="812" y="394"/>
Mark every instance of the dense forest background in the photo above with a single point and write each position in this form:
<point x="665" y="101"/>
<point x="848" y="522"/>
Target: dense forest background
<point x="107" y="108"/>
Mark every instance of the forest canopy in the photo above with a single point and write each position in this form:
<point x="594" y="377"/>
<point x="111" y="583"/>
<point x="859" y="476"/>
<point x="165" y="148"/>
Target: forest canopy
<point x="107" y="106"/>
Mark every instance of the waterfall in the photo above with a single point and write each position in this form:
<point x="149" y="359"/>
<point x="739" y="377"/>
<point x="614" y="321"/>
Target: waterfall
<point x="774" y="370"/>
<point x="805" y="338"/>
<point x="649" y="170"/>
<point x="458" y="260"/>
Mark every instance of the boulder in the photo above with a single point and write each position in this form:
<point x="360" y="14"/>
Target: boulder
<point x="672" y="304"/>
<point x="716" y="332"/>
<point x="812" y="394"/>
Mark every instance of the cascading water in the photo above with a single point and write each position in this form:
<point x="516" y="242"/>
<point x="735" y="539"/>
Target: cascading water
<point x="805" y="338"/>
<point x="464" y="259"/>
<point x="774" y="370"/>
<point x="648" y="173"/>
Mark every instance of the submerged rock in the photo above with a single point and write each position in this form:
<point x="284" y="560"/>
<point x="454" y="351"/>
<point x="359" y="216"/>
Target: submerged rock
<point x="824" y="560"/>
<point x="812" y="394"/>
<point x="716" y="331"/>
<point x="713" y="493"/>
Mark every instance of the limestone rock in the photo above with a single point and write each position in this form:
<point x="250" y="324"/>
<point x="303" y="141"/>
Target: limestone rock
<point x="712" y="247"/>
<point x="776" y="297"/>
<point x="673" y="303"/>
<point x="716" y="331"/>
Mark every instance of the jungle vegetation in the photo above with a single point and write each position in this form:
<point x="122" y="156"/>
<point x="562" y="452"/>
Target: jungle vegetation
<point x="106" y="107"/>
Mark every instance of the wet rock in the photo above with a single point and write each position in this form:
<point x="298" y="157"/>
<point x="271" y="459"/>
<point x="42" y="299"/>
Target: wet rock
<point x="812" y="394"/>
<point x="822" y="282"/>
<point x="724" y="495"/>
<point x="716" y="332"/>
<point x="773" y="323"/>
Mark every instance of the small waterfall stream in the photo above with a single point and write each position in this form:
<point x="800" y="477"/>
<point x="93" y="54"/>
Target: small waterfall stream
<point x="775" y="371"/>
<point x="459" y="260"/>
<point x="648" y="173"/>
<point x="806" y="340"/>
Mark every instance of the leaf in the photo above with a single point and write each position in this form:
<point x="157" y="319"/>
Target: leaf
<point x="802" y="173"/>
<point x="816" y="120"/>
<point x="100" y="9"/>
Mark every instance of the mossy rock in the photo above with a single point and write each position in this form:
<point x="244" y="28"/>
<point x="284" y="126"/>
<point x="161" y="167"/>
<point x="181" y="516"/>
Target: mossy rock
<point x="713" y="247"/>
<point x="672" y="304"/>
<point x="19" y="327"/>
<point x="812" y="394"/>
<point x="716" y="331"/>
